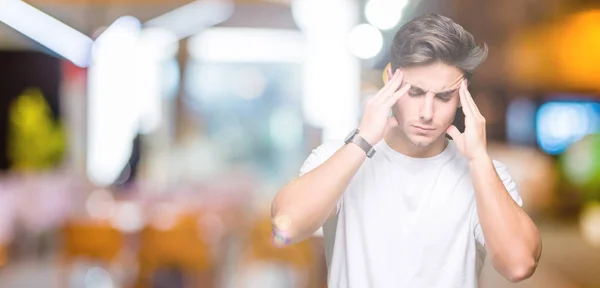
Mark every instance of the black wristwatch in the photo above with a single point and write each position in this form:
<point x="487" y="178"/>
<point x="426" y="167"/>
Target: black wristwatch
<point x="354" y="137"/>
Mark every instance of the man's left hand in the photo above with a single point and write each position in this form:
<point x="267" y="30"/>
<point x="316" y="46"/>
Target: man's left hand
<point x="472" y="142"/>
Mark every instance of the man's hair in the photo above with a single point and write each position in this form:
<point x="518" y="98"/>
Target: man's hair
<point x="431" y="38"/>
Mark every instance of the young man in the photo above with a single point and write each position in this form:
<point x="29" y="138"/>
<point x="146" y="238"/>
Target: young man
<point x="400" y="204"/>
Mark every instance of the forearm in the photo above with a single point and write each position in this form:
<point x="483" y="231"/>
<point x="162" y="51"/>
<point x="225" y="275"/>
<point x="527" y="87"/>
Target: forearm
<point x="308" y="201"/>
<point x="511" y="237"/>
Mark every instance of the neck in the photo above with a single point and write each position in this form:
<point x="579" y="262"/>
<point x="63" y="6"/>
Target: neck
<point x="400" y="143"/>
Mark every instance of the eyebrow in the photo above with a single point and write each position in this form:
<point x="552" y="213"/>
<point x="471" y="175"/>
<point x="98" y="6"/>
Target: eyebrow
<point x="443" y="93"/>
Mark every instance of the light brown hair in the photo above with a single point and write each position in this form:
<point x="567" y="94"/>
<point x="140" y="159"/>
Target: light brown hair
<point x="430" y="38"/>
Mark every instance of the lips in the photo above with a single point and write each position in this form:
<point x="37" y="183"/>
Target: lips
<point x="423" y="129"/>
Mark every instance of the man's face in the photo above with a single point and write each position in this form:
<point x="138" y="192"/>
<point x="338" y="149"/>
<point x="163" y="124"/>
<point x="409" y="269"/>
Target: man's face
<point x="429" y="107"/>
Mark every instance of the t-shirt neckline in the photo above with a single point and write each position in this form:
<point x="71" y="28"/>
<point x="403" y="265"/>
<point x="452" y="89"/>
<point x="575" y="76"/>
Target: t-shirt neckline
<point x="446" y="154"/>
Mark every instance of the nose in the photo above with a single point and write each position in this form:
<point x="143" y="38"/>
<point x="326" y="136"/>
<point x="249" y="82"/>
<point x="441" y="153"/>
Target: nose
<point x="426" y="111"/>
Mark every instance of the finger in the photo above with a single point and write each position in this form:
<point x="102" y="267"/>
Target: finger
<point x="391" y="86"/>
<point x="464" y="103"/>
<point x="387" y="85"/>
<point x="394" y="83"/>
<point x="477" y="116"/>
<point x="453" y="132"/>
<point x="381" y="91"/>
<point x="469" y="98"/>
<point x="397" y="95"/>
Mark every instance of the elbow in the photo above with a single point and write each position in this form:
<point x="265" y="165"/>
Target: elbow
<point x="283" y="234"/>
<point x="282" y="238"/>
<point x="515" y="267"/>
<point x="519" y="262"/>
<point x="288" y="230"/>
<point x="521" y="270"/>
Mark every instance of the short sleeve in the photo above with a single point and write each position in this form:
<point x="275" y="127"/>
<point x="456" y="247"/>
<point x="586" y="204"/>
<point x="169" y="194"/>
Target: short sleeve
<point x="318" y="156"/>
<point x="511" y="187"/>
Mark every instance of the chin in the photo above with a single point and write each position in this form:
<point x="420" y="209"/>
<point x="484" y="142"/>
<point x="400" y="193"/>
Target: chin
<point x="423" y="141"/>
<point x="420" y="142"/>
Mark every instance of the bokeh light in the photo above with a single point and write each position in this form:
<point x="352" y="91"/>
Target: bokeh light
<point x="581" y="165"/>
<point x="559" y="124"/>
<point x="384" y="14"/>
<point x="590" y="223"/>
<point x="365" y="41"/>
<point x="100" y="204"/>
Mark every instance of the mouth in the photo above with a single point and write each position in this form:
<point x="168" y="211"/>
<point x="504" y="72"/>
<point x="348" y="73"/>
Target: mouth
<point x="422" y="129"/>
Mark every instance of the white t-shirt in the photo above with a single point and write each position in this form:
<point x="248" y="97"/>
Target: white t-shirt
<point x="406" y="222"/>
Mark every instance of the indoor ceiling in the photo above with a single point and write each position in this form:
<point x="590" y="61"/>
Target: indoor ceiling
<point x="492" y="22"/>
<point x="87" y="16"/>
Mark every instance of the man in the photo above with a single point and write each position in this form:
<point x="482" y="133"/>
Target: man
<point x="400" y="204"/>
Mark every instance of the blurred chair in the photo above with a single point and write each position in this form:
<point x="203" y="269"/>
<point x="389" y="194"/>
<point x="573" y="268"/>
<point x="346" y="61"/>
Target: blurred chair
<point x="95" y="241"/>
<point x="179" y="246"/>
<point x="259" y="250"/>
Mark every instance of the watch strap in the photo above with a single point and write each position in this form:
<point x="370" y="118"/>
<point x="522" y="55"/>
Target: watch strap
<point x="363" y="144"/>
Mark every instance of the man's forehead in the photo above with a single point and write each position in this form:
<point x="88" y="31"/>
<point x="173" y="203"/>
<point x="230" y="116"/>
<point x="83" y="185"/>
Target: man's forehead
<point x="433" y="84"/>
<point x="435" y="76"/>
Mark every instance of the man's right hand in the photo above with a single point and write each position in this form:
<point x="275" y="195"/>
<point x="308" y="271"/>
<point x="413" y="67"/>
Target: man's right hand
<point x="375" y="119"/>
<point x="304" y="205"/>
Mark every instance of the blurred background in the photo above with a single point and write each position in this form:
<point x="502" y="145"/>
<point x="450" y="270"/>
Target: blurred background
<point x="141" y="141"/>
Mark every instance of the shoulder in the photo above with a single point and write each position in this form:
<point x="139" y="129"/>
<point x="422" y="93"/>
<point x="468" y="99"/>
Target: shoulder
<point x="501" y="169"/>
<point x="461" y="161"/>
<point x="499" y="165"/>
<point x="320" y="154"/>
<point x="508" y="181"/>
<point x="328" y="147"/>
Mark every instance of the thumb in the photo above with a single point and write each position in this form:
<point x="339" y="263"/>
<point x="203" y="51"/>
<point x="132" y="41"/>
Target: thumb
<point x="453" y="132"/>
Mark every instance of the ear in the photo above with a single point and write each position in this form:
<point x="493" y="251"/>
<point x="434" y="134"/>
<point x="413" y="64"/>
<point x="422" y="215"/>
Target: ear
<point x="387" y="73"/>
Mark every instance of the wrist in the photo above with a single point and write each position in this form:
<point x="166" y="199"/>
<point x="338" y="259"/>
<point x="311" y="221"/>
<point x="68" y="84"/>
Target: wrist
<point x="479" y="159"/>
<point x="369" y="137"/>
<point x="355" y="151"/>
<point x="357" y="138"/>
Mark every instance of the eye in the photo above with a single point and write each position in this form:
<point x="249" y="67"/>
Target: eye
<point x="444" y="98"/>
<point x="415" y="93"/>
